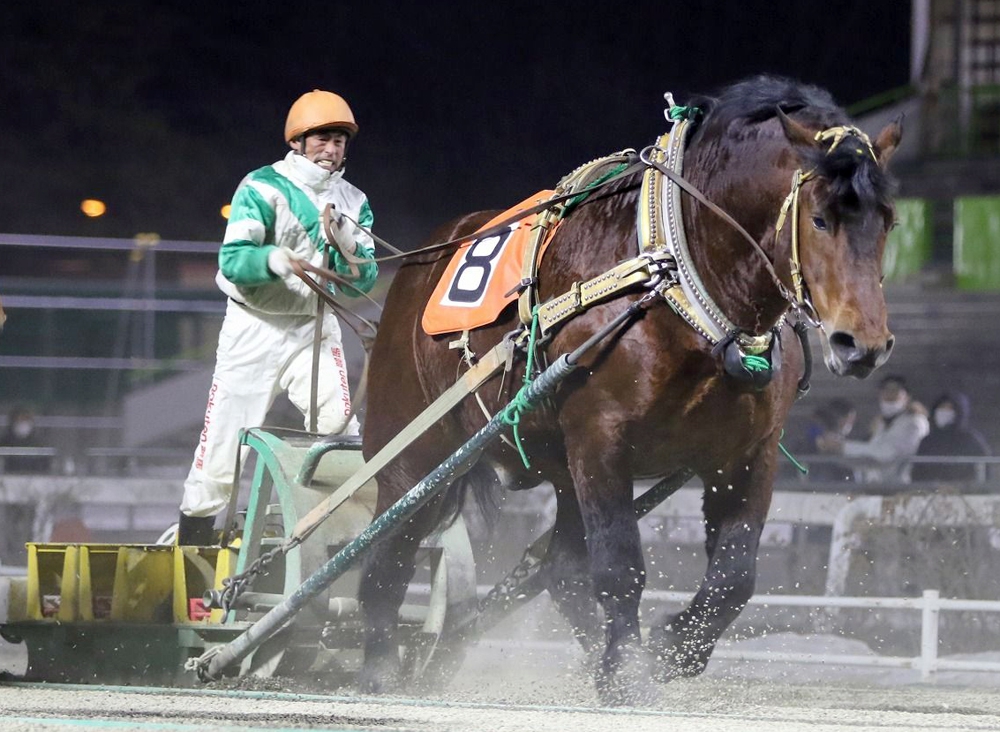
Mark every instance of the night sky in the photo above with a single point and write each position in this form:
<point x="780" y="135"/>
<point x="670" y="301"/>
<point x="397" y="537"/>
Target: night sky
<point x="160" y="108"/>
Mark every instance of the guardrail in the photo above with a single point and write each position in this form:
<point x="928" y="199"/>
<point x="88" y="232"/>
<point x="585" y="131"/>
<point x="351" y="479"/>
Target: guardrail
<point x="981" y="464"/>
<point x="930" y="605"/>
<point x="95" y="460"/>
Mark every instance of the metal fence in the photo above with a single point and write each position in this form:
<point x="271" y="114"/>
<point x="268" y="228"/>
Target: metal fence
<point x="930" y="605"/>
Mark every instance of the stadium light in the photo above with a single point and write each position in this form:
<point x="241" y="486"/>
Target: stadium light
<point x="92" y="207"/>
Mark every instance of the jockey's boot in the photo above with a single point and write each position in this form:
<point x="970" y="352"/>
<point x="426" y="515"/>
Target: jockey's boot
<point x="196" y="531"/>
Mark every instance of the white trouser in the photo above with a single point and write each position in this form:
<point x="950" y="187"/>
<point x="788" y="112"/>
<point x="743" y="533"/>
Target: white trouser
<point x="259" y="356"/>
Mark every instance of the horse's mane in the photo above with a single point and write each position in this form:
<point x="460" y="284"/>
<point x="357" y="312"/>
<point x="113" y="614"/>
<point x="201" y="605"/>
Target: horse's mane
<point x="854" y="179"/>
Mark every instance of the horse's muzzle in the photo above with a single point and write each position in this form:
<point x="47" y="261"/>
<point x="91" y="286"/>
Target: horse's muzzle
<point x="847" y="357"/>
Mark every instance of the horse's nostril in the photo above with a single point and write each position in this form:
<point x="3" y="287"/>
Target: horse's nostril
<point x="841" y="341"/>
<point x="889" y="344"/>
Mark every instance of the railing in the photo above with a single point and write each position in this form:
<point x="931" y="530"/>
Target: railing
<point x="930" y="605"/>
<point x="93" y="460"/>
<point x="981" y="464"/>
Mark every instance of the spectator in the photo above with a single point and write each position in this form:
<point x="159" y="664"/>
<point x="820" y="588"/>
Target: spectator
<point x="950" y="435"/>
<point x="21" y="432"/>
<point x="830" y="421"/>
<point x="896" y="434"/>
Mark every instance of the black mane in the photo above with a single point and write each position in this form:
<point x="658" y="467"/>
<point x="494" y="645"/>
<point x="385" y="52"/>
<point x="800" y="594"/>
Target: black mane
<point x="854" y="179"/>
<point x="757" y="99"/>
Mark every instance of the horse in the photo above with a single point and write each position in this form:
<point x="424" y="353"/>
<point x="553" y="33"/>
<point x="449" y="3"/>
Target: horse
<point x="3" y="316"/>
<point x="658" y="397"/>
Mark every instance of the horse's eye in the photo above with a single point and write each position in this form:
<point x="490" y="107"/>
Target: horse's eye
<point x="819" y="223"/>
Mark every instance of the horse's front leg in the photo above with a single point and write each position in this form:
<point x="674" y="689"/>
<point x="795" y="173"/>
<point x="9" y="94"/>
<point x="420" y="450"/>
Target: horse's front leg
<point x="604" y="490"/>
<point x="567" y="572"/>
<point x="735" y="506"/>
<point x="387" y="572"/>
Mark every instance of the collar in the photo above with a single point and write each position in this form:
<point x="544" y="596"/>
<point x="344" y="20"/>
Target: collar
<point x="310" y="174"/>
<point x="661" y="229"/>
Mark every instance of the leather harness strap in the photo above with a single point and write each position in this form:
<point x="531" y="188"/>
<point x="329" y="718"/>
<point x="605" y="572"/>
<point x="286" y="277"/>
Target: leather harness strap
<point x="636" y="271"/>
<point x="568" y="192"/>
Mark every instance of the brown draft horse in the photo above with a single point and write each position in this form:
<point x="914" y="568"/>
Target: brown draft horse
<point x="655" y="399"/>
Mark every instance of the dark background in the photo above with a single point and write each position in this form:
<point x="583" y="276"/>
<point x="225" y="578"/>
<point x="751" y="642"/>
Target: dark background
<point x="159" y="108"/>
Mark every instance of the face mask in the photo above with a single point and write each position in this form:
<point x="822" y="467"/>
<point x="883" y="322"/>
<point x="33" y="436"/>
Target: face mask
<point x="22" y="429"/>
<point x="944" y="417"/>
<point x="890" y="409"/>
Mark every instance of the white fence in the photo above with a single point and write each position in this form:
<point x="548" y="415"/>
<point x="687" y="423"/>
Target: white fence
<point x="930" y="605"/>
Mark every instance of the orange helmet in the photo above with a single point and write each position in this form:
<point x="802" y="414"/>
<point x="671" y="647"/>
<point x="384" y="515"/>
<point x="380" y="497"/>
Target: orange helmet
<point x="316" y="110"/>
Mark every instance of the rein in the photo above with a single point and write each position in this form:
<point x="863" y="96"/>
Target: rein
<point x="684" y="184"/>
<point x="640" y="270"/>
<point x="496" y="228"/>
<point x="355" y="322"/>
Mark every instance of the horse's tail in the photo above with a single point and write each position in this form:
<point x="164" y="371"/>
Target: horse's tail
<point x="485" y="487"/>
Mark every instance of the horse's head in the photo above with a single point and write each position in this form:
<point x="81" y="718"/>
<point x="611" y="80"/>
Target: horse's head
<point x="843" y="210"/>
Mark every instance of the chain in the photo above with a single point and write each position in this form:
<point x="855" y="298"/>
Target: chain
<point x="506" y="588"/>
<point x="233" y="587"/>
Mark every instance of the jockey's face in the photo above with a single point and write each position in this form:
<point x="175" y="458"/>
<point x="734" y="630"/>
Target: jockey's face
<point x="326" y="148"/>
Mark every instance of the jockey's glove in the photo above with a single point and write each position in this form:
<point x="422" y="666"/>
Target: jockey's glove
<point x="343" y="234"/>
<point x="279" y="261"/>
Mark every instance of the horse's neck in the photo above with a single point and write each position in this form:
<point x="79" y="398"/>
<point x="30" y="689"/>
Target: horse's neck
<point x="731" y="269"/>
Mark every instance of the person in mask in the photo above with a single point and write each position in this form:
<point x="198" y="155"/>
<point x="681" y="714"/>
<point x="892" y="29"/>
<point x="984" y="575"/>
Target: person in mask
<point x="21" y="432"/>
<point x="950" y="435"/>
<point x="830" y="423"/>
<point x="896" y="434"/>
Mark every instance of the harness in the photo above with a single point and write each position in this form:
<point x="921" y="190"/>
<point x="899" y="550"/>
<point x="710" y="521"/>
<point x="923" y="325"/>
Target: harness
<point x="663" y="265"/>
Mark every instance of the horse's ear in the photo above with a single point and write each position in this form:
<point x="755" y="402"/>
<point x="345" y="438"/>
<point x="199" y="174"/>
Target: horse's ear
<point x="888" y="140"/>
<point x="797" y="134"/>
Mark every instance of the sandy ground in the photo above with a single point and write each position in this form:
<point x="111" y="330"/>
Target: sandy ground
<point x="540" y="687"/>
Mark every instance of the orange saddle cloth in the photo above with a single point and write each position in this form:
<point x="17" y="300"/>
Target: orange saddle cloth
<point x="482" y="276"/>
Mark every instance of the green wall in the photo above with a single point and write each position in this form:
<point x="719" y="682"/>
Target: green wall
<point x="977" y="243"/>
<point x="909" y="244"/>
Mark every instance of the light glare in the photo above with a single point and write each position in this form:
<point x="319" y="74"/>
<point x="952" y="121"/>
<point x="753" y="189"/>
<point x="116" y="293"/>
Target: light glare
<point x="92" y="207"/>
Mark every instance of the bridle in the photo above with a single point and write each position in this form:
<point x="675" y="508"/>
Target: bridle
<point x="791" y="203"/>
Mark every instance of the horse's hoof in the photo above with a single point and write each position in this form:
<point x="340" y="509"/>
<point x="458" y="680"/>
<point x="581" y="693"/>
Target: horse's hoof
<point x="378" y="677"/>
<point x="674" y="659"/>
<point x="627" y="680"/>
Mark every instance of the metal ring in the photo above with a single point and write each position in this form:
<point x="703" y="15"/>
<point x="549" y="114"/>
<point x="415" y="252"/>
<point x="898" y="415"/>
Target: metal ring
<point x="644" y="154"/>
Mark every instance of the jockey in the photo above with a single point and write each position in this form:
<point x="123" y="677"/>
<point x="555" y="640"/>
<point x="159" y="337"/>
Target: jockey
<point x="266" y="342"/>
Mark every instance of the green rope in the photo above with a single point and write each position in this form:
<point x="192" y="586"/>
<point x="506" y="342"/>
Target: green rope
<point x="791" y="458"/>
<point x="756" y="363"/>
<point x="520" y="404"/>
<point x="677" y="112"/>
<point x="573" y="202"/>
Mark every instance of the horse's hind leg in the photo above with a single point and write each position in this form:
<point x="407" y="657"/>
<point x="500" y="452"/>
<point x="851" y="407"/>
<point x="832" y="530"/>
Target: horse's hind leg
<point x="735" y="511"/>
<point x="567" y="571"/>
<point x="387" y="572"/>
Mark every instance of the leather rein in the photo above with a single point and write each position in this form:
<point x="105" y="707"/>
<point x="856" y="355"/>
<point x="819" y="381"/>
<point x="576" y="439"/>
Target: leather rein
<point x="796" y="298"/>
